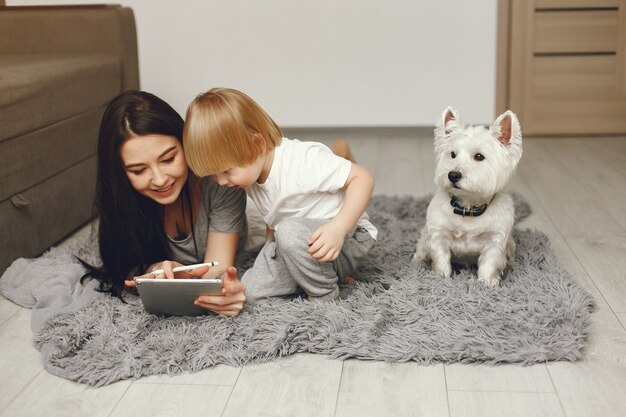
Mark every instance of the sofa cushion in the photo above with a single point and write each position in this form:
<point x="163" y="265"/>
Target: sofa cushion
<point x="38" y="90"/>
<point x="51" y="210"/>
<point x="29" y="159"/>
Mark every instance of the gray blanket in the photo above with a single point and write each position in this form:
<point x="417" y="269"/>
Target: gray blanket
<point x="50" y="284"/>
<point x="396" y="312"/>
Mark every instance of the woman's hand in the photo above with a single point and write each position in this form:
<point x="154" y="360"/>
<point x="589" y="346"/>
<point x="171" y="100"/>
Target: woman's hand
<point x="167" y="267"/>
<point x="233" y="297"/>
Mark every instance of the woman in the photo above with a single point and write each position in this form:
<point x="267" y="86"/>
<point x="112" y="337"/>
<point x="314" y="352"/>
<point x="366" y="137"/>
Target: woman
<point x="154" y="212"/>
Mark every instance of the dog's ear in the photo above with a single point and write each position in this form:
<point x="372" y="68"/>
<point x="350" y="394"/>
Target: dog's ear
<point x="447" y="123"/>
<point x="506" y="129"/>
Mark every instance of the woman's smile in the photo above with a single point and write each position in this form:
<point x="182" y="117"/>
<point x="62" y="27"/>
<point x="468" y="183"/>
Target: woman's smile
<point x="165" y="191"/>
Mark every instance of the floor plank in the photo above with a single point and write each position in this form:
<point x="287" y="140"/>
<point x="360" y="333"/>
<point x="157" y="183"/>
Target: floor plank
<point x="539" y="220"/>
<point x="604" y="185"/>
<point x="300" y="385"/>
<point x="611" y="149"/>
<point x="594" y="386"/>
<point x="604" y="340"/>
<point x="598" y="242"/>
<point x="380" y="389"/>
<point x="164" y="400"/>
<point x="51" y="396"/>
<point x="217" y="375"/>
<point x="502" y="378"/>
<point x="19" y="360"/>
<point x="7" y="309"/>
<point x="509" y="404"/>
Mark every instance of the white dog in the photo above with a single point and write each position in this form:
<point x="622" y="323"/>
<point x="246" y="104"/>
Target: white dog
<point x="469" y="220"/>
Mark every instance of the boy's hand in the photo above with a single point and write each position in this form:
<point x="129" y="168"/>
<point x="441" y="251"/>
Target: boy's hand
<point x="233" y="297"/>
<point x="326" y="242"/>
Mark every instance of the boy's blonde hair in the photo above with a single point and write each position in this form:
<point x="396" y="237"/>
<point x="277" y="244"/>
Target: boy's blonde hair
<point x="225" y="128"/>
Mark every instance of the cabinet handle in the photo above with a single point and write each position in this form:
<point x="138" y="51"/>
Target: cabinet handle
<point x="19" y="201"/>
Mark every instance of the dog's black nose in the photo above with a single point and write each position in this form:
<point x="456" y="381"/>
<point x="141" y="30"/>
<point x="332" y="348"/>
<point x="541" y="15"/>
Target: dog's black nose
<point x="454" y="176"/>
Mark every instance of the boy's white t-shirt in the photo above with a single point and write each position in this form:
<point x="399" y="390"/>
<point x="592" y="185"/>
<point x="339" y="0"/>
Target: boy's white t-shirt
<point x="306" y="180"/>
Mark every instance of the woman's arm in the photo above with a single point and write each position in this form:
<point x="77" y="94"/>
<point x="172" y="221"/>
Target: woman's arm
<point x="222" y="247"/>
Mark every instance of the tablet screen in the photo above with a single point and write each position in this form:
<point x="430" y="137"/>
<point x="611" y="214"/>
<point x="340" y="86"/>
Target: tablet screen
<point x="175" y="297"/>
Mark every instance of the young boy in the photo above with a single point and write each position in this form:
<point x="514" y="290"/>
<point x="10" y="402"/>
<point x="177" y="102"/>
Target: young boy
<point x="312" y="201"/>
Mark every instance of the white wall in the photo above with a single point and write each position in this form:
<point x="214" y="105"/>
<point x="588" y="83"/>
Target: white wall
<point x="323" y="62"/>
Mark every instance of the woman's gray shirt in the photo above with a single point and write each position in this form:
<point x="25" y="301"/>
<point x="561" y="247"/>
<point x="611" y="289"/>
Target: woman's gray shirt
<point x="221" y="210"/>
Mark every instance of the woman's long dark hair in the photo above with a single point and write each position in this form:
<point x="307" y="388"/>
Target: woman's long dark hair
<point x="131" y="232"/>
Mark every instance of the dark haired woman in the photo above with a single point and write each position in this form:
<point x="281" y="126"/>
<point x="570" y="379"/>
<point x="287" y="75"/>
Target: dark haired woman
<point x="154" y="212"/>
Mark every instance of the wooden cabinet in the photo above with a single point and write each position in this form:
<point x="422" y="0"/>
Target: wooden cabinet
<point x="562" y="65"/>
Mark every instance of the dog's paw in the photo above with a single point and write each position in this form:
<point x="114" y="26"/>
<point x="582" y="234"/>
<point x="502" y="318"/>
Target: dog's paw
<point x="443" y="271"/>
<point x="419" y="260"/>
<point x="490" y="280"/>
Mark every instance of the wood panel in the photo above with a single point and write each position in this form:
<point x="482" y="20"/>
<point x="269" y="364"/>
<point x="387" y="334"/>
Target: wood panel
<point x="576" y="77"/>
<point x="52" y="396"/>
<point x="7" y="309"/>
<point x="391" y="389"/>
<point x="502" y="56"/>
<point x="19" y="360"/>
<point x="155" y="400"/>
<point x="576" y="31"/>
<point x="510" y="404"/>
<point x="479" y="377"/>
<point x="620" y="68"/>
<point x="519" y="51"/>
<point x="593" y="117"/>
<point x="301" y="385"/>
<point x="567" y="69"/>
<point x="598" y="241"/>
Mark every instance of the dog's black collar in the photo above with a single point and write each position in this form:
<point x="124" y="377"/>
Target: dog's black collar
<point x="468" y="211"/>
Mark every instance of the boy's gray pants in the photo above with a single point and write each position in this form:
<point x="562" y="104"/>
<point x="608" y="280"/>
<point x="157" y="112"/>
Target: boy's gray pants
<point x="285" y="268"/>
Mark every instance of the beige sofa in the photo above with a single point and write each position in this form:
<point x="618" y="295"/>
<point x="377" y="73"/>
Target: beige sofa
<point x="59" y="67"/>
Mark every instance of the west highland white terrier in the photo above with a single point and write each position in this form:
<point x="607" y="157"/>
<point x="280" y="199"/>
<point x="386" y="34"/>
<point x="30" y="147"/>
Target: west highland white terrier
<point x="469" y="220"/>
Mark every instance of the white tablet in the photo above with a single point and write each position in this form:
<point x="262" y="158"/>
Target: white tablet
<point x="175" y="297"/>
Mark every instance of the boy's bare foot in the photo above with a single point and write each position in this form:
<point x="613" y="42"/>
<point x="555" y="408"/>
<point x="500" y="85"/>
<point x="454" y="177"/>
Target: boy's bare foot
<point x="350" y="281"/>
<point x="342" y="148"/>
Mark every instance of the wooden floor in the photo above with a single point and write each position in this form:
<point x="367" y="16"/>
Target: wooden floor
<point x="577" y="190"/>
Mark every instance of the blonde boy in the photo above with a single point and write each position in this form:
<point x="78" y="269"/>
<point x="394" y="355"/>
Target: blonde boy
<point x="312" y="201"/>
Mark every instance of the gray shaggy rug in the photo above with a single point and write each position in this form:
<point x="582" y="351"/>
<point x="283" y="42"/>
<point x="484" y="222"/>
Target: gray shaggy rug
<point x="396" y="312"/>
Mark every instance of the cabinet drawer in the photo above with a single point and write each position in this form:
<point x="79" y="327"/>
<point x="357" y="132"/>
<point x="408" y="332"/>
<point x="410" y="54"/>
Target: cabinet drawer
<point x="574" y="76"/>
<point x="565" y="70"/>
<point x="576" y="31"/>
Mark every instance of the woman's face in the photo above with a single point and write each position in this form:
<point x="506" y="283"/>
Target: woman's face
<point x="155" y="166"/>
